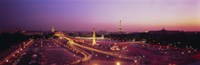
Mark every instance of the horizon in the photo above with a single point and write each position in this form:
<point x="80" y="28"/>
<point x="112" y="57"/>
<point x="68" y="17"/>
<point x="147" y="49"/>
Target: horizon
<point x="84" y="15"/>
<point x="99" y="30"/>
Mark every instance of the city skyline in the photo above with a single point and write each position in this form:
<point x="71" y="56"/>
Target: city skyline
<point x="78" y="15"/>
<point x="100" y="32"/>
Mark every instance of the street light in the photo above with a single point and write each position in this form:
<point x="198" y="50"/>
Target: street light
<point x="118" y="63"/>
<point x="107" y="56"/>
<point x="7" y="60"/>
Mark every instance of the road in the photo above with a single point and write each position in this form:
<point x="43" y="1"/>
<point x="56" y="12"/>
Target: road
<point x="9" y="59"/>
<point x="99" y="51"/>
<point x="140" y="54"/>
<point x="66" y="51"/>
<point x="45" y="52"/>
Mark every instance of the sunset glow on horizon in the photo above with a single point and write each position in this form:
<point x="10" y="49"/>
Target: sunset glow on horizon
<point x="84" y="15"/>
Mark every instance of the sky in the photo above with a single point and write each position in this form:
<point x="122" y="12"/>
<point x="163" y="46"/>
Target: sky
<point x="84" y="15"/>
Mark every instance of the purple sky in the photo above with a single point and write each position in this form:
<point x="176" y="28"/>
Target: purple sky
<point x="83" y="15"/>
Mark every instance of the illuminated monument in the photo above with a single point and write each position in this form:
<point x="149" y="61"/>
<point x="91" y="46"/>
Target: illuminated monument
<point x="120" y="27"/>
<point x="94" y="37"/>
<point x="52" y="29"/>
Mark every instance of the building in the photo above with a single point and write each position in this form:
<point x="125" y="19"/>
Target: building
<point x="164" y="31"/>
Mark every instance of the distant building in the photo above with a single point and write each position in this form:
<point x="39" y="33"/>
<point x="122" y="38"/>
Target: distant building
<point x="164" y="31"/>
<point x="52" y="29"/>
<point x="33" y="33"/>
<point x="59" y="34"/>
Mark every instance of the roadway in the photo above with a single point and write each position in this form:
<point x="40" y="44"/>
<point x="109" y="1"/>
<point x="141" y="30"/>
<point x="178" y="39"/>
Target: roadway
<point x="68" y="52"/>
<point x="89" y="54"/>
<point x="138" y="54"/>
<point x="10" y="59"/>
<point x="98" y="51"/>
<point x="45" y="52"/>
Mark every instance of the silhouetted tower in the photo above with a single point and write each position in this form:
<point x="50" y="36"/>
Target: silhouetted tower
<point x="52" y="29"/>
<point x="120" y="26"/>
<point x="163" y="29"/>
<point x="94" y="37"/>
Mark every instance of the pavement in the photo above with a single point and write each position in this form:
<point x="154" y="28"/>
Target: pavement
<point x="68" y="52"/>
